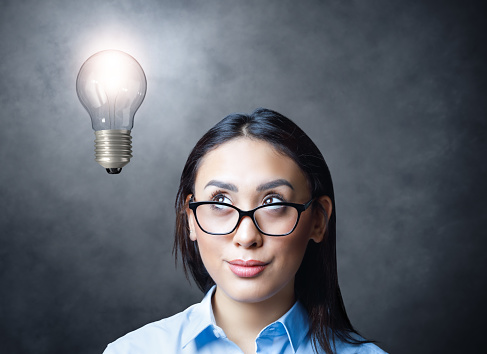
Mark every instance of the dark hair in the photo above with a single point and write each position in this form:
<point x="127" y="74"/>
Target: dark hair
<point x="317" y="290"/>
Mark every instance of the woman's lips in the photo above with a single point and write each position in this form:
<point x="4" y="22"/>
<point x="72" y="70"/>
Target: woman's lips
<point x="247" y="269"/>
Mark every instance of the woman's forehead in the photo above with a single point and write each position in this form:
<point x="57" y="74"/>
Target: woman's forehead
<point x="247" y="161"/>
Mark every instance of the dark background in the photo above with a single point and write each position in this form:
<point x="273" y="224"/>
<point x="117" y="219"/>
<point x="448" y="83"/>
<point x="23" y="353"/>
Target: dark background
<point x="393" y="92"/>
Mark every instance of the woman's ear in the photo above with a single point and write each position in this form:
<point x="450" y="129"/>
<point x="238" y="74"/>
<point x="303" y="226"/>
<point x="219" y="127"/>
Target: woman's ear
<point x="191" y="221"/>
<point x="321" y="215"/>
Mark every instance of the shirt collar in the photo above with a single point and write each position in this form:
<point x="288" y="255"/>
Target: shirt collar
<point x="199" y="319"/>
<point x="295" y="322"/>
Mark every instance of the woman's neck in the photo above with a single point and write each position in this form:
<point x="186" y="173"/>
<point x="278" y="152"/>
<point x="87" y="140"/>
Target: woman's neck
<point x="242" y="321"/>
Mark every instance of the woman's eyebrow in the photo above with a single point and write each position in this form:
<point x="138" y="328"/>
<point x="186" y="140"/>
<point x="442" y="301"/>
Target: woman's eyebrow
<point x="274" y="184"/>
<point x="219" y="184"/>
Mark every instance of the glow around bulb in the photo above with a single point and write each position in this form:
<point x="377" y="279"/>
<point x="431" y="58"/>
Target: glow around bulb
<point x="111" y="85"/>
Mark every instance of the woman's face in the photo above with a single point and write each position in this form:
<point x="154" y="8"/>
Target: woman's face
<point x="248" y="173"/>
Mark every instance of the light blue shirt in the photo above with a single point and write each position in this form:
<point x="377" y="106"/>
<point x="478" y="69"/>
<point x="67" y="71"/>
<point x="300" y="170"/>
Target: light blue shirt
<point x="195" y="331"/>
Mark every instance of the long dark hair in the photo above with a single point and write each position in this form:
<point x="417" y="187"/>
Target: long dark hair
<point x="316" y="282"/>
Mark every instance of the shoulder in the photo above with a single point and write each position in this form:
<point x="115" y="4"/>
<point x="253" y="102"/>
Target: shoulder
<point x="163" y="336"/>
<point x="366" y="348"/>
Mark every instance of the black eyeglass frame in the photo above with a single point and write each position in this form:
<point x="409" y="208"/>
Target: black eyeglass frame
<point x="250" y="213"/>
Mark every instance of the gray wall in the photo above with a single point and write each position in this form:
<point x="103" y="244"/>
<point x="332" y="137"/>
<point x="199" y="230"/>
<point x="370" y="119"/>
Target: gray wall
<point x="393" y="93"/>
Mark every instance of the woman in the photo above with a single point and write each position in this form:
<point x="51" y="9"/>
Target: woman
<point x="255" y="228"/>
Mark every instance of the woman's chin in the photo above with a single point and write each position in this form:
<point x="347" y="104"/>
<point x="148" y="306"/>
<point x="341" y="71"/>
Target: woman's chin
<point x="254" y="291"/>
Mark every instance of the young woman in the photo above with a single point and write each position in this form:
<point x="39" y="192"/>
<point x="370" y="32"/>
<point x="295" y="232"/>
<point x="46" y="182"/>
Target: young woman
<point x="255" y="227"/>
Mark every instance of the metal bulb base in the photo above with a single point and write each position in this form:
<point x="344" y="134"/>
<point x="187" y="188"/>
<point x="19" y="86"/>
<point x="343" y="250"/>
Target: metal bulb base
<point x="113" y="149"/>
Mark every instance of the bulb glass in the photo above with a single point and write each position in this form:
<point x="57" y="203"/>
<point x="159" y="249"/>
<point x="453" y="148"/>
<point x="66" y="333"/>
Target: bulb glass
<point x="111" y="85"/>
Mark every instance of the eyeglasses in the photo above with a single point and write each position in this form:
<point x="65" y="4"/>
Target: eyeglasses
<point x="276" y="219"/>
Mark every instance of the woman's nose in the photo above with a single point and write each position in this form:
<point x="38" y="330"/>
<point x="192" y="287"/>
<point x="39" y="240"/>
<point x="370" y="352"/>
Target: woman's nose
<point x="247" y="235"/>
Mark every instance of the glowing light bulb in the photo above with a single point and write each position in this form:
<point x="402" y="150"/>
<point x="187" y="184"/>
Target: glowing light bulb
<point x="111" y="85"/>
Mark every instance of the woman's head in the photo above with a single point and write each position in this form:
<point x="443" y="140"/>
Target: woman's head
<point x="287" y="139"/>
<point x="253" y="257"/>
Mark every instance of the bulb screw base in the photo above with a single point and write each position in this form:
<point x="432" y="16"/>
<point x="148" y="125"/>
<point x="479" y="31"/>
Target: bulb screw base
<point x="113" y="149"/>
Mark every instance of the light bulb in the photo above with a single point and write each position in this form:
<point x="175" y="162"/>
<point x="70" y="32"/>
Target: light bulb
<point x="111" y="85"/>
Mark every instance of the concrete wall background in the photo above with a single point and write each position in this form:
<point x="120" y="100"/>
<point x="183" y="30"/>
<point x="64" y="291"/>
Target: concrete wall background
<point x="393" y="93"/>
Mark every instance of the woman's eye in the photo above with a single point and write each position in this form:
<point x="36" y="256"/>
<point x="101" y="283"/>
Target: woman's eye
<point x="272" y="200"/>
<point x="220" y="198"/>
